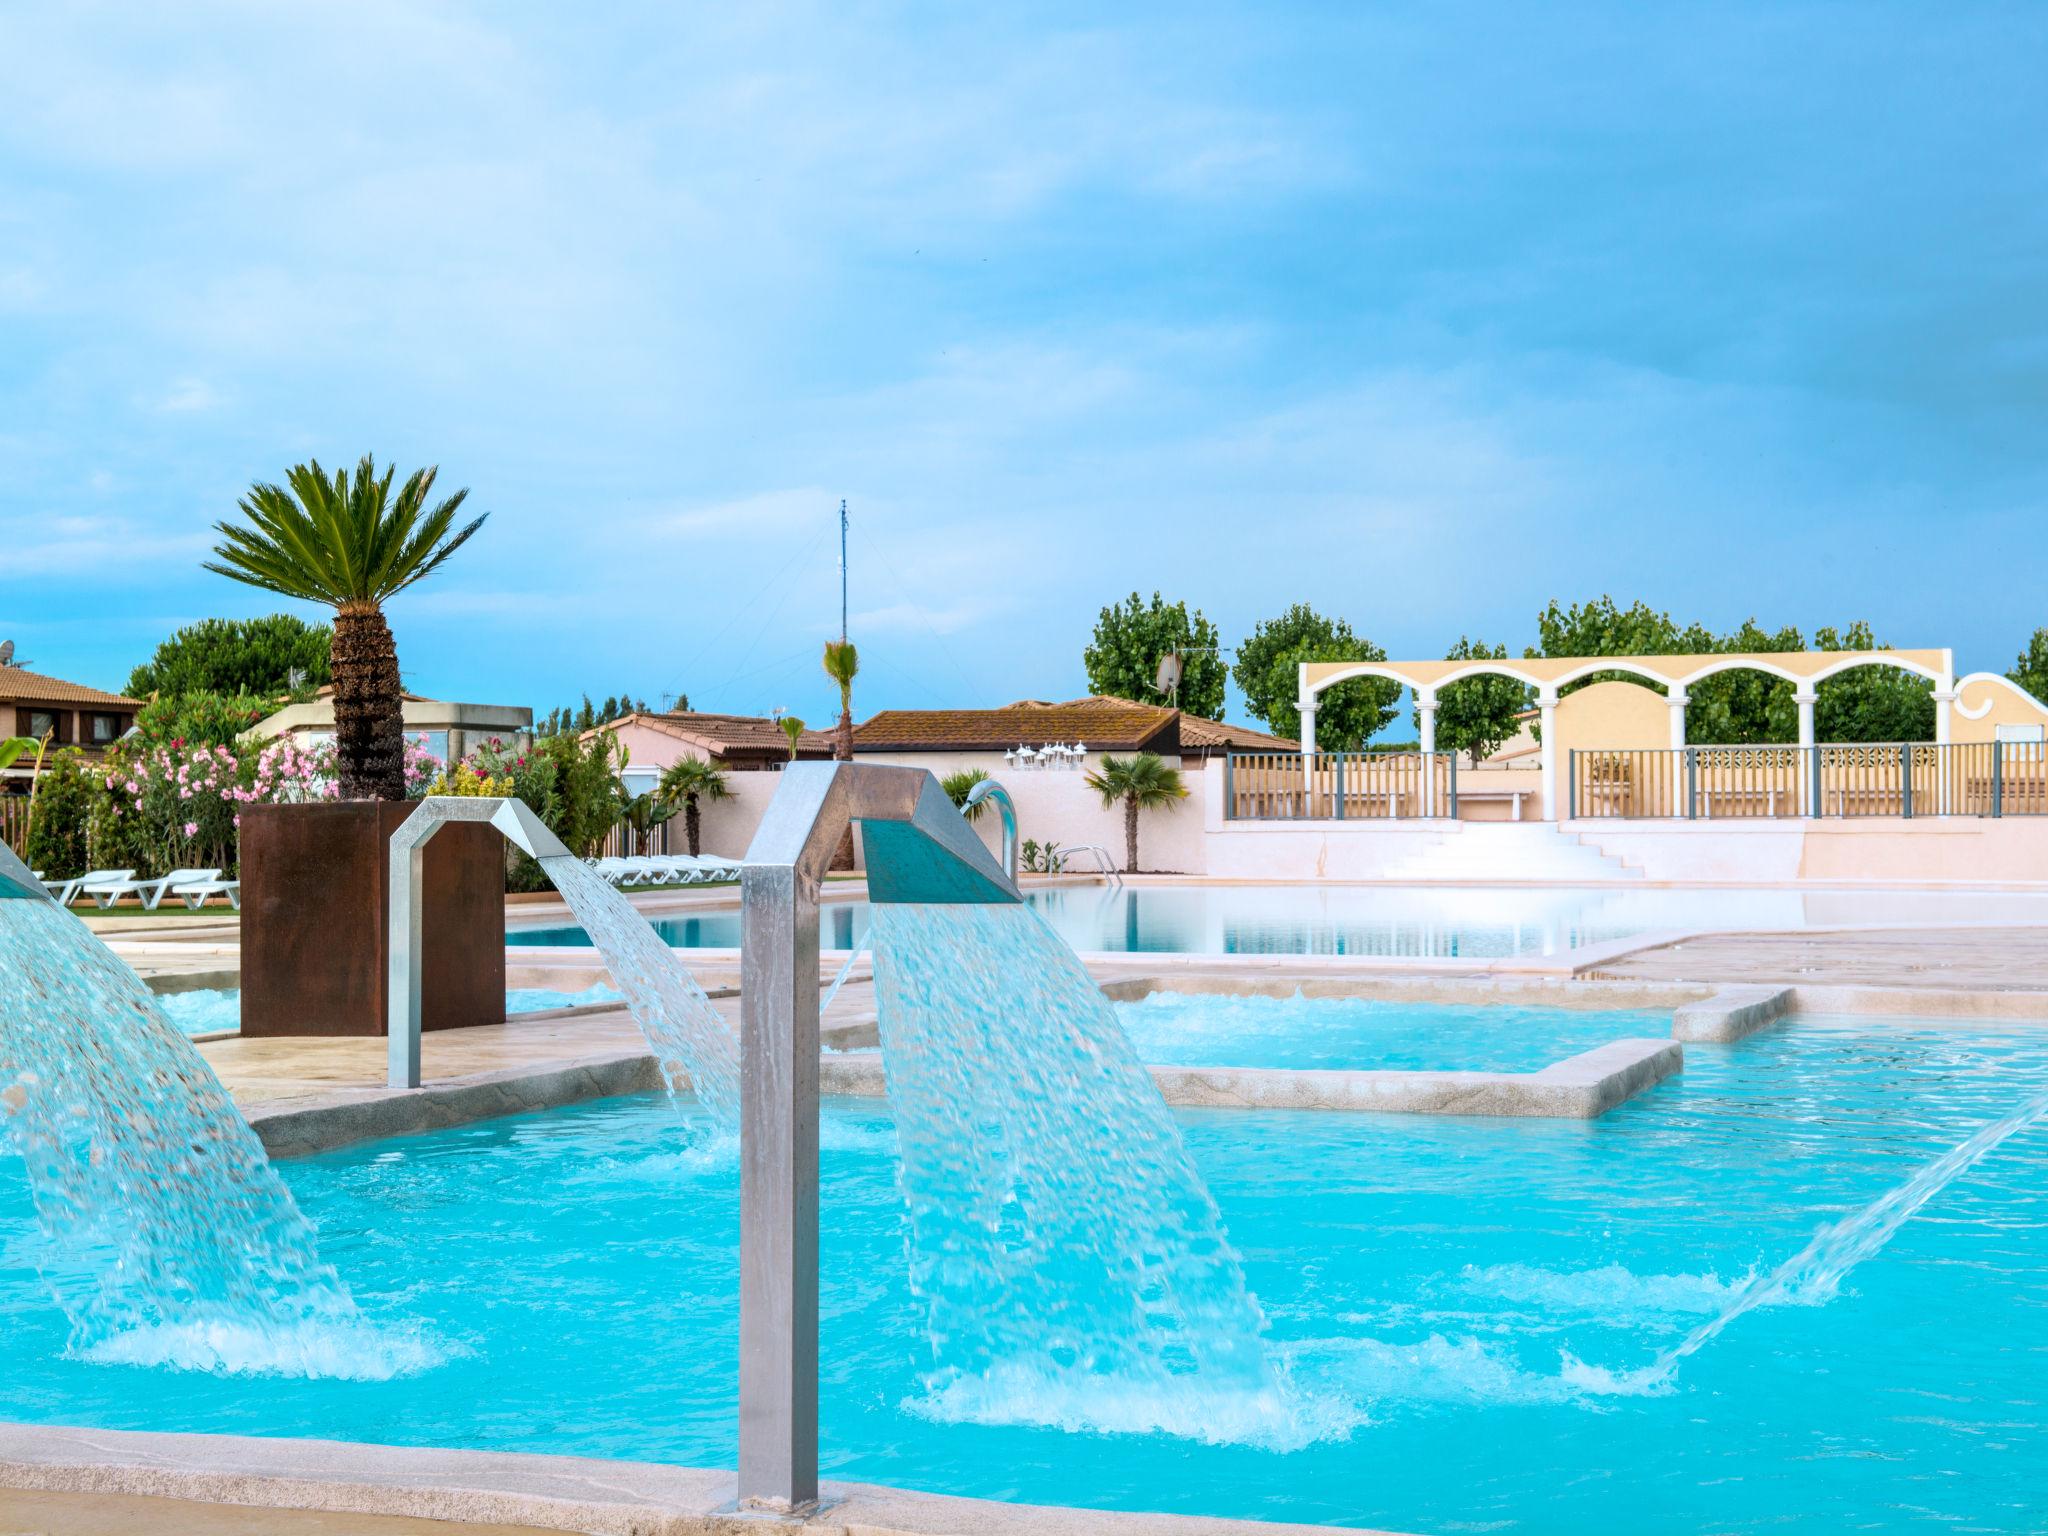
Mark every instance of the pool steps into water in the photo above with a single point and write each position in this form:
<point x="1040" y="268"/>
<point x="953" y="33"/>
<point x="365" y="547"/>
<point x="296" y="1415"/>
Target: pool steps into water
<point x="1509" y="851"/>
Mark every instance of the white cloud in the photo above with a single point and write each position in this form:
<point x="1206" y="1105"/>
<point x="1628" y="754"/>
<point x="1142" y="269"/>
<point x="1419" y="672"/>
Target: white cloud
<point x="188" y="394"/>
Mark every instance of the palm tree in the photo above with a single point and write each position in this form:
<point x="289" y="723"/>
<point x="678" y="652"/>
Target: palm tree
<point x="793" y="728"/>
<point x="842" y="664"/>
<point x="353" y="545"/>
<point x="687" y="781"/>
<point x="14" y="748"/>
<point x="1143" y="782"/>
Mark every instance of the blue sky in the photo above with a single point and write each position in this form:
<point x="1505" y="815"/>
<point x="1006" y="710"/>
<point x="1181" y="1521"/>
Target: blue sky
<point x="1421" y="313"/>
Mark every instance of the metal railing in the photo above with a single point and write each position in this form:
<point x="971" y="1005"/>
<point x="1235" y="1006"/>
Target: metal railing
<point x="1901" y="779"/>
<point x="1339" y="786"/>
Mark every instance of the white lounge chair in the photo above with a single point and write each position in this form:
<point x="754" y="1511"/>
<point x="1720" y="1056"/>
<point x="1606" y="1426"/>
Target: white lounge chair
<point x="715" y="867"/>
<point x="152" y="892"/>
<point x="194" y="893"/>
<point x="104" y="886"/>
<point x="611" y="869"/>
<point x="63" y="892"/>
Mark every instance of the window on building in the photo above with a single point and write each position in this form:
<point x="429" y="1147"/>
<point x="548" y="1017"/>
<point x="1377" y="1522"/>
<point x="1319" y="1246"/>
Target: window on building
<point x="105" y="729"/>
<point x="41" y="723"/>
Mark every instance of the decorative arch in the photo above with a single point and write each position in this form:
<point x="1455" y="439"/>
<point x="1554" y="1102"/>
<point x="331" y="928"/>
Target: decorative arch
<point x="1741" y="664"/>
<point x="1877" y="659"/>
<point x="1384" y="669"/>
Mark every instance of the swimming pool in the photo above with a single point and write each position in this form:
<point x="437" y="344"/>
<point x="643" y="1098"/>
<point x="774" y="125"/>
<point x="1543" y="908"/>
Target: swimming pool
<point x="1460" y="1307"/>
<point x="214" y="1009"/>
<point x="1192" y="1029"/>
<point x="1431" y="922"/>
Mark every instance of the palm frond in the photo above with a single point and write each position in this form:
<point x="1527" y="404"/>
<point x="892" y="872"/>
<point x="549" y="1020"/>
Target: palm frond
<point x="343" y="538"/>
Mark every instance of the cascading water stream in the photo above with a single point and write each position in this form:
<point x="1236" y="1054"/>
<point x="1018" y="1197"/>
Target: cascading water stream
<point x="1074" y="1267"/>
<point x="1815" y="1273"/>
<point x="691" y="1039"/>
<point x="169" y="1237"/>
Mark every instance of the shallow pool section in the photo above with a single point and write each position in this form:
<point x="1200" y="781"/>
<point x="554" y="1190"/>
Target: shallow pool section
<point x="216" y="1010"/>
<point x="1466" y="1312"/>
<point x="1194" y="1029"/>
<point x="1415" y="922"/>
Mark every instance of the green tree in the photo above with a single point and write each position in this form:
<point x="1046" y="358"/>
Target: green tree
<point x="1600" y="628"/>
<point x="202" y="719"/>
<point x="230" y="656"/>
<point x="1744" y="707"/>
<point x="1142" y="783"/>
<point x="687" y="782"/>
<point x="842" y="665"/>
<point x="1476" y="714"/>
<point x="2030" y="671"/>
<point x="1122" y="658"/>
<point x="1871" y="703"/>
<point x="65" y="793"/>
<point x="1268" y="675"/>
<point x="349" y="543"/>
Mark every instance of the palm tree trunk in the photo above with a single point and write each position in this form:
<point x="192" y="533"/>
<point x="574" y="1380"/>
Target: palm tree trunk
<point x="1130" y="834"/>
<point x="369" y="731"/>
<point x="690" y="822"/>
<point x="844" y="746"/>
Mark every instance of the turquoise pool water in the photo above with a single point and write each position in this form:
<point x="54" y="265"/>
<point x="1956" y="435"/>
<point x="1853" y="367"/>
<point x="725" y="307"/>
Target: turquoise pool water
<point x="1451" y="1301"/>
<point x="1199" y="1030"/>
<point x="210" y="1010"/>
<point x="1436" y="922"/>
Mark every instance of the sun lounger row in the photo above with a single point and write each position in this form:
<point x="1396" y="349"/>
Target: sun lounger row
<point x="194" y="887"/>
<point x="666" y="869"/>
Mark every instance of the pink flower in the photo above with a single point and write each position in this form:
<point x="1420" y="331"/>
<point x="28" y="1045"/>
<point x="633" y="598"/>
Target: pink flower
<point x="191" y="829"/>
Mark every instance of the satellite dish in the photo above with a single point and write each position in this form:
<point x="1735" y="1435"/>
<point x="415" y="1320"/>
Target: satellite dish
<point x="1168" y="680"/>
<point x="6" y="653"/>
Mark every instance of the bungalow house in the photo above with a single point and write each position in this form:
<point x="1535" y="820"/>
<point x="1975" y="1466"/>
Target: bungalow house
<point x="452" y="730"/>
<point x="71" y="714"/>
<point x="736" y="743"/>
<point x="1087" y="729"/>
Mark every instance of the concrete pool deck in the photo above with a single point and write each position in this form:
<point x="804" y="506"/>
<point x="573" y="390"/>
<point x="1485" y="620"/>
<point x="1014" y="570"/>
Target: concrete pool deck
<point x="492" y="1492"/>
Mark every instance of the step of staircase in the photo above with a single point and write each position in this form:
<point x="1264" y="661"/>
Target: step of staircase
<point x="1509" y="851"/>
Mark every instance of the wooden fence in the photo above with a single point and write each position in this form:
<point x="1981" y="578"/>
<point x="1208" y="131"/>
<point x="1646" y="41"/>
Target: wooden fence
<point x="14" y="821"/>
<point x="1901" y="779"/>
<point x="1339" y="786"/>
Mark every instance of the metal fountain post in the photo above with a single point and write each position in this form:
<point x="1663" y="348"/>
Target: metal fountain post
<point x="18" y="880"/>
<point x="408" y="853"/>
<point x="917" y="849"/>
<point x="989" y="789"/>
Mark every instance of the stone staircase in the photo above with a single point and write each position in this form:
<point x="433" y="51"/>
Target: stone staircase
<point x="1509" y="851"/>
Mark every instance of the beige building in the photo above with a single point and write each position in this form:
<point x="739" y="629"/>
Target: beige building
<point x="737" y="743"/>
<point x="452" y="730"/>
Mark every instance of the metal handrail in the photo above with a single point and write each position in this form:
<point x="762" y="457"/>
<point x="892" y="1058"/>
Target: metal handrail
<point x="1104" y="864"/>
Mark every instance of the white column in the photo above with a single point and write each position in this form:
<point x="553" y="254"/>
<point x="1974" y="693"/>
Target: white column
<point x="1546" y="706"/>
<point x="1944" y="706"/>
<point x="1425" y="710"/>
<point x="1677" y="699"/>
<point x="1308" y="742"/>
<point x="1809" y="760"/>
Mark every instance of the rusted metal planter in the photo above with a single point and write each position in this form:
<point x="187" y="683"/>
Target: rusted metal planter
<point x="315" y="903"/>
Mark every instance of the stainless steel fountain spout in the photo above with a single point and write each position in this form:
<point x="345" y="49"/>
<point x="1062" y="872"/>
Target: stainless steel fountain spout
<point x="521" y="827"/>
<point x="917" y="848"/>
<point x="989" y="789"/>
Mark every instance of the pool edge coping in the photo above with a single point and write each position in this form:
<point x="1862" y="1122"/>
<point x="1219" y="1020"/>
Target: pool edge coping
<point x="547" y="1492"/>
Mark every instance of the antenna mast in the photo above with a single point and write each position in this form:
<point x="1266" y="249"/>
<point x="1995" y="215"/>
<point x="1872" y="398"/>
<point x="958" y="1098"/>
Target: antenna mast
<point x="842" y="568"/>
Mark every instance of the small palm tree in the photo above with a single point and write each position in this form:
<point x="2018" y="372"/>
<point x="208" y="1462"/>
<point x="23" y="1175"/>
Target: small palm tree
<point x="353" y="545"/>
<point x="686" y="782"/>
<point x="794" y="729"/>
<point x="958" y="786"/>
<point x="1143" y="782"/>
<point x="842" y="665"/>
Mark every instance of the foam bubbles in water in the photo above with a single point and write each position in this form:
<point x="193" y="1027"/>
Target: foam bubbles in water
<point x="1072" y="1263"/>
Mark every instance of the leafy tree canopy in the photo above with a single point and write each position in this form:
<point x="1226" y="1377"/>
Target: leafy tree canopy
<point x="259" y="656"/>
<point x="570" y="718"/>
<point x="2030" y="671"/>
<point x="1869" y="703"/>
<point x="1268" y="675"/>
<point x="1476" y="714"/>
<point x="1123" y="657"/>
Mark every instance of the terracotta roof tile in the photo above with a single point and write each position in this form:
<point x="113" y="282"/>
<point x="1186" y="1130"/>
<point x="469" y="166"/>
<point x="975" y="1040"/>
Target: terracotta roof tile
<point x="1100" y="724"/>
<point x="18" y="683"/>
<point x="731" y="735"/>
<point x="1199" y="735"/>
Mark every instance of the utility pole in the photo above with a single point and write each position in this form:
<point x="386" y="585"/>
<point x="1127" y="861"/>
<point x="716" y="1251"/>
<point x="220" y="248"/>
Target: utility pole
<point x="842" y="568"/>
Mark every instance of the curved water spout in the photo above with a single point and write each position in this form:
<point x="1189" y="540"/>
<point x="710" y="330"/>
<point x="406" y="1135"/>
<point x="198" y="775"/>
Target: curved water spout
<point x="990" y="789"/>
